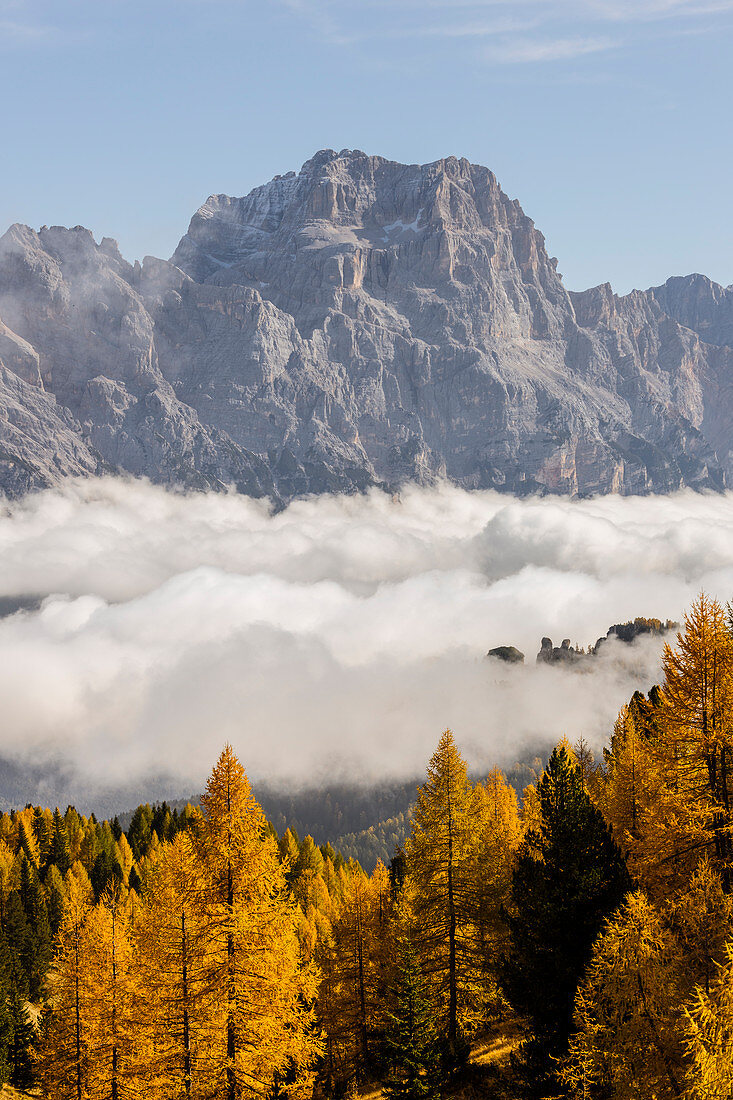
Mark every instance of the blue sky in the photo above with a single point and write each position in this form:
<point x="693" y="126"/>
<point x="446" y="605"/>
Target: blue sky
<point x="610" y="120"/>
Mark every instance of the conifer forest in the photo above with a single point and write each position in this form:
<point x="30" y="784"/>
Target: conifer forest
<point x="568" y="941"/>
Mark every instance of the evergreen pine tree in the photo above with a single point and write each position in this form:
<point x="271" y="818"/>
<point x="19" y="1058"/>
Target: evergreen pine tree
<point x="15" y="927"/>
<point x="38" y="941"/>
<point x="28" y="843"/>
<point x="105" y="873"/>
<point x="23" y="1036"/>
<point x="162" y="823"/>
<point x="140" y="831"/>
<point x="414" y="1064"/>
<point x="6" y="1021"/>
<point x="59" y="849"/>
<point x="569" y="876"/>
<point x="42" y="834"/>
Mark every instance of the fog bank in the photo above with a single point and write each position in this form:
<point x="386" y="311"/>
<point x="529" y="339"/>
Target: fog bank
<point x="334" y="639"/>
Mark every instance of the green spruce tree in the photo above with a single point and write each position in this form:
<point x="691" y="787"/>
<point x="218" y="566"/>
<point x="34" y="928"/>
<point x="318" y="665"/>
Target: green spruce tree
<point x="42" y="835"/>
<point x="28" y="845"/>
<point x="139" y="834"/>
<point x="105" y="872"/>
<point x="59" y="847"/>
<point x="38" y="943"/>
<point x="19" y="1050"/>
<point x="412" y="1054"/>
<point x="569" y="876"/>
<point x="6" y="1021"/>
<point x="16" y="1029"/>
<point x="15" y="928"/>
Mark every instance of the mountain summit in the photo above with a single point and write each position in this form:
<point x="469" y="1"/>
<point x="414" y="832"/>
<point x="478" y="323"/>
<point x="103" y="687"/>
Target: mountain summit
<point x="362" y="322"/>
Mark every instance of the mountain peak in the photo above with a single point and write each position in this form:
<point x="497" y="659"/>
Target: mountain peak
<point x="357" y="204"/>
<point x="696" y="302"/>
<point x="360" y="322"/>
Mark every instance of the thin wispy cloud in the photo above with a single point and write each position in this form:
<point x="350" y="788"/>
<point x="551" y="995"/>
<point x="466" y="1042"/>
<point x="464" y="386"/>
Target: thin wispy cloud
<point x="30" y="23"/>
<point x="13" y="33"/>
<point x="556" y="9"/>
<point x="634" y="11"/>
<point x="323" y="21"/>
<point x="467" y="30"/>
<point x="522" y="51"/>
<point x="564" y="30"/>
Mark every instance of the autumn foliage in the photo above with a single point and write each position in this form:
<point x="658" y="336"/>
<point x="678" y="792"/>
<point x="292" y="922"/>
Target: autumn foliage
<point x="200" y="956"/>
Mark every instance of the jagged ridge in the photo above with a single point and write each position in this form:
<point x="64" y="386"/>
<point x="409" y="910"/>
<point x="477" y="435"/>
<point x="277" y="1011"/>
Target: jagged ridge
<point x="362" y="322"/>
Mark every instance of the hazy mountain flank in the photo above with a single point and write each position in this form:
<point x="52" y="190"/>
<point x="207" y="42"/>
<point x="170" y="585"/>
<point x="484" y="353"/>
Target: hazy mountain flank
<point x="362" y="322"/>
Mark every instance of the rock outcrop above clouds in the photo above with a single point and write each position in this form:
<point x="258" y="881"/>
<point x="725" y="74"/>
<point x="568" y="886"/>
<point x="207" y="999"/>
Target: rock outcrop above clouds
<point x="362" y="322"/>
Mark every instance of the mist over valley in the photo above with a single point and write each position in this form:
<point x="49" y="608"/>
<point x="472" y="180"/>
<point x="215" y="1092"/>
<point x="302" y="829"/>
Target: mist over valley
<point x="331" y="641"/>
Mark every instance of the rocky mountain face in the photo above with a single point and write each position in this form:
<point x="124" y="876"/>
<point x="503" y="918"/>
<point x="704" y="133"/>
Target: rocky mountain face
<point x="362" y="322"/>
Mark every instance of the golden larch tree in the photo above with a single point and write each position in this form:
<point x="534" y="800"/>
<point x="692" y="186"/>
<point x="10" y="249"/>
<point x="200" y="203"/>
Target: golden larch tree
<point x="65" y="1050"/>
<point x="638" y="804"/>
<point x="442" y="855"/>
<point x="709" y="1037"/>
<point x="647" y="963"/>
<point x="500" y="833"/>
<point x="701" y="917"/>
<point x="622" y="797"/>
<point x="627" y="1036"/>
<point x="695" y="742"/>
<point x="112" y="988"/>
<point x="531" y="811"/>
<point x="355" y="959"/>
<point x="172" y="944"/>
<point x="255" y="972"/>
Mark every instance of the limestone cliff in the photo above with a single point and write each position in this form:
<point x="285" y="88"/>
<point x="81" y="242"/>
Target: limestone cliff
<point x="362" y="322"/>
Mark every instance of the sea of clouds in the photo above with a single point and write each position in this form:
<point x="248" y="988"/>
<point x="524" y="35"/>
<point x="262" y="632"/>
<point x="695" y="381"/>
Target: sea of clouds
<point x="333" y="640"/>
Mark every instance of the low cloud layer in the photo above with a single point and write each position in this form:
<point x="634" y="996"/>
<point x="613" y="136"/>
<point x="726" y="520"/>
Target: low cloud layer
<point x="335" y="639"/>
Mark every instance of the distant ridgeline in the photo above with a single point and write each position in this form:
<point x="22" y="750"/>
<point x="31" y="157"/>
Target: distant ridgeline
<point x="365" y="823"/>
<point x="361" y="822"/>
<point x="568" y="654"/>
